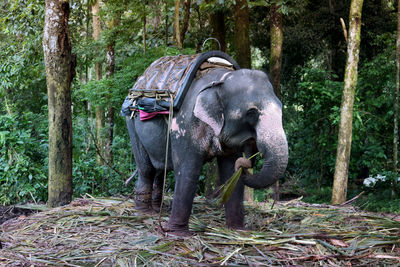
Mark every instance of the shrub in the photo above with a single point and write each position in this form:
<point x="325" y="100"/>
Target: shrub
<point x="23" y="153"/>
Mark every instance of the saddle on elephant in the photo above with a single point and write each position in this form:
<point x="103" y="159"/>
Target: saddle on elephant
<point x="168" y="79"/>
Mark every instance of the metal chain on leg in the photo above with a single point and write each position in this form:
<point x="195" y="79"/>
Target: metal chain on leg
<point x="170" y="115"/>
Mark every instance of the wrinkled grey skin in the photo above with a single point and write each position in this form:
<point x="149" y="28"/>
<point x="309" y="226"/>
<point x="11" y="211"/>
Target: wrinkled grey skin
<point x="241" y="115"/>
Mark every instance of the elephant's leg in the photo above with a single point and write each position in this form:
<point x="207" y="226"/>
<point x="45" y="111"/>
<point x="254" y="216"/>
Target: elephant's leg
<point x="156" y="197"/>
<point x="234" y="210"/>
<point x="187" y="174"/>
<point x="146" y="171"/>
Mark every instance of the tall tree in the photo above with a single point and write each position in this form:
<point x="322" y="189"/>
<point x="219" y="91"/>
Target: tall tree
<point x="276" y="47"/>
<point x="99" y="75"/>
<point x="110" y="68"/>
<point x="186" y="4"/>
<point x="177" y="32"/>
<point x="242" y="34"/>
<point x="275" y="64"/>
<point x="166" y="23"/>
<point x="339" y="190"/>
<point x="396" y="104"/>
<point x="144" y="28"/>
<point x="60" y="70"/>
<point x="243" y="53"/>
<point x="218" y="30"/>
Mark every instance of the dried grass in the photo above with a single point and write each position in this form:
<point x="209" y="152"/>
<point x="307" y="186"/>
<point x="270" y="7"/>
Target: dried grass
<point x="109" y="232"/>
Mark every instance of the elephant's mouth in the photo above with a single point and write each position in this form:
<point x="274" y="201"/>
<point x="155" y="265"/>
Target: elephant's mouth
<point x="227" y="149"/>
<point x="226" y="142"/>
<point x="249" y="147"/>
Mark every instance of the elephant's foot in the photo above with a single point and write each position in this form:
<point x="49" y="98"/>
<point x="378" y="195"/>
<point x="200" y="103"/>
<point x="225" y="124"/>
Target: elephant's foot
<point x="235" y="222"/>
<point x="178" y="232"/>
<point x="236" y="226"/>
<point x="143" y="202"/>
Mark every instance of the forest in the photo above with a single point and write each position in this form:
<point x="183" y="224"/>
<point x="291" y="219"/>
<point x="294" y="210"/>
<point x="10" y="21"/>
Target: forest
<point x="114" y="41"/>
<point x="312" y="112"/>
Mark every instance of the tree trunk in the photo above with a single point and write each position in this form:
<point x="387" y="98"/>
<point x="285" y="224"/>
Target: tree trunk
<point x="166" y="23"/>
<point x="185" y="26"/>
<point x="218" y="30"/>
<point x="99" y="135"/>
<point x="199" y="42"/>
<point x="242" y="51"/>
<point x="8" y="108"/>
<point x="396" y="105"/>
<point x="242" y="34"/>
<point x="276" y="60"/>
<point x="144" y="29"/>
<point x="99" y="74"/>
<point x="212" y="177"/>
<point x="248" y="194"/>
<point x="96" y="34"/>
<point x="60" y="69"/>
<point x="177" y="32"/>
<point x="331" y="7"/>
<point x="110" y="68"/>
<point x="339" y="190"/>
<point x="156" y="6"/>
<point x="110" y="57"/>
<point x="276" y="48"/>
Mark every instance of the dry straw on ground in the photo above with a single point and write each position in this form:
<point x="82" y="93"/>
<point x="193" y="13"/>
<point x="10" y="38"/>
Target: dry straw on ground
<point x="109" y="232"/>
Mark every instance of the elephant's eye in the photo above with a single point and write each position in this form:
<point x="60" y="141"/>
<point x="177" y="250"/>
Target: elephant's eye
<point x="252" y="112"/>
<point x="252" y="116"/>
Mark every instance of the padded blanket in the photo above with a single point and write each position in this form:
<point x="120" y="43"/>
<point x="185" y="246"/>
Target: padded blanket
<point x="166" y="73"/>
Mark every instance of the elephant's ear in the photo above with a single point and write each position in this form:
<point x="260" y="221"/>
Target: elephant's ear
<point x="208" y="108"/>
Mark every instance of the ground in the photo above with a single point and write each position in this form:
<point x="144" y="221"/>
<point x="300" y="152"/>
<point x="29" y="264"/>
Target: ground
<point x="109" y="232"/>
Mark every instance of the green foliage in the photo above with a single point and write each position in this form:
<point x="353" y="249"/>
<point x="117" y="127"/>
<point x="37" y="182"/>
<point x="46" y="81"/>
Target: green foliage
<point x="23" y="132"/>
<point x="112" y="91"/>
<point x="23" y="164"/>
<point x="21" y="26"/>
<point x="89" y="176"/>
<point x="311" y="125"/>
<point x="318" y="195"/>
<point x="261" y="195"/>
<point x="286" y="7"/>
<point x="312" y="115"/>
<point x="381" y="202"/>
<point x="373" y="131"/>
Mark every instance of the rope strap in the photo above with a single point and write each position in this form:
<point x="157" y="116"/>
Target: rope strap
<point x="170" y="115"/>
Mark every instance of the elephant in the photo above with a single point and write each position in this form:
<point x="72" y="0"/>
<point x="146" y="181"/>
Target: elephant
<point x="238" y="114"/>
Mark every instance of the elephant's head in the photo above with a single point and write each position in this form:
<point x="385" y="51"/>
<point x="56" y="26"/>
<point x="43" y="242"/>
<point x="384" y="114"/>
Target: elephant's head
<point x="244" y="113"/>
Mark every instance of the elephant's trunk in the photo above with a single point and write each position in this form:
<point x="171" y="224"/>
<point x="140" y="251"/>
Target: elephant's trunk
<point x="272" y="143"/>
